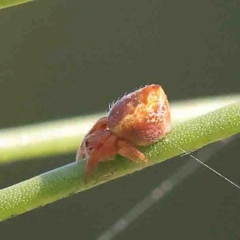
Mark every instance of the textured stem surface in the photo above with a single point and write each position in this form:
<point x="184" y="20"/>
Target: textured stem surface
<point x="70" y="179"/>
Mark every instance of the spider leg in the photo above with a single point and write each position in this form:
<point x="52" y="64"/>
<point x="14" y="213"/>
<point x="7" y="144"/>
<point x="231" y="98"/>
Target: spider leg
<point x="109" y="148"/>
<point x="104" y="151"/>
<point x="100" y="125"/>
<point x="81" y="152"/>
<point x="92" y="162"/>
<point x="130" y="152"/>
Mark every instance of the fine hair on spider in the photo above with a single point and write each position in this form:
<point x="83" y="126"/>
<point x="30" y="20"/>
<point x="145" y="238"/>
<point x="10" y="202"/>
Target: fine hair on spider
<point x="110" y="106"/>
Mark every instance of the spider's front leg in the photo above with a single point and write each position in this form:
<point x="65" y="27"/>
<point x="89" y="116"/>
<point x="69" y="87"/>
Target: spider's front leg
<point x="100" y="146"/>
<point x="100" y="125"/>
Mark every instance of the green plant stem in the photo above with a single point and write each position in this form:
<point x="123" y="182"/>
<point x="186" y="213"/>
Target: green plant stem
<point x="70" y="179"/>
<point x="64" y="136"/>
<point x="11" y="3"/>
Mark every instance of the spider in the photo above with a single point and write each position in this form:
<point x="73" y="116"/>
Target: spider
<point x="139" y="118"/>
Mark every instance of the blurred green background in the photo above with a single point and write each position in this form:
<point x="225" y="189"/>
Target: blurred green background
<point x="61" y="59"/>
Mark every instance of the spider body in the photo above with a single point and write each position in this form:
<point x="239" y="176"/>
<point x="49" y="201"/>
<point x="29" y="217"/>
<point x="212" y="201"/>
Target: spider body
<point x="139" y="118"/>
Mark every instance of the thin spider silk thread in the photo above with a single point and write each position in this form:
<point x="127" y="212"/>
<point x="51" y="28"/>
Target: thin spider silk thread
<point x="160" y="191"/>
<point x="207" y="166"/>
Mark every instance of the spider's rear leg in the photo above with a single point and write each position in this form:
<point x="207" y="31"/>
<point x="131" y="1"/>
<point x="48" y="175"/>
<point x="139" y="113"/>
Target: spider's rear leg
<point x="130" y="152"/>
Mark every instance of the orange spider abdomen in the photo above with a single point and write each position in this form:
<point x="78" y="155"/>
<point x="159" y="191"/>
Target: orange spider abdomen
<point x="141" y="117"/>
